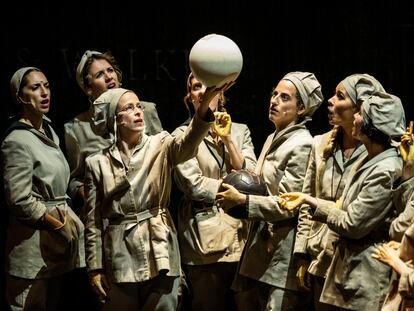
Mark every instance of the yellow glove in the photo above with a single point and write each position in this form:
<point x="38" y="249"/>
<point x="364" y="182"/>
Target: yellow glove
<point x="302" y="275"/>
<point x="291" y="200"/>
<point x="100" y="285"/>
<point x="222" y="125"/>
<point x="407" y="147"/>
<point x="407" y="144"/>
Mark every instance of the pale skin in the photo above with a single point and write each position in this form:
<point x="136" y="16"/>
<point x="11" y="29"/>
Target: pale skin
<point x="283" y="111"/>
<point x="101" y="77"/>
<point x="341" y="112"/>
<point x="130" y="128"/>
<point x="388" y="254"/>
<point x="35" y="99"/>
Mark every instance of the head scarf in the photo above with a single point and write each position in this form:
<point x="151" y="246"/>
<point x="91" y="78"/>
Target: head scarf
<point x="16" y="81"/>
<point x="360" y="86"/>
<point x="386" y="113"/>
<point x="81" y="66"/>
<point x="104" y="111"/>
<point x="309" y="89"/>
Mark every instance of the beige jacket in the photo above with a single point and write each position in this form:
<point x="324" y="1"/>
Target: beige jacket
<point x="207" y="234"/>
<point x="36" y="177"/>
<point x="268" y="254"/>
<point x="82" y="141"/>
<point x="141" y="239"/>
<point x="356" y="280"/>
<point x="324" y="179"/>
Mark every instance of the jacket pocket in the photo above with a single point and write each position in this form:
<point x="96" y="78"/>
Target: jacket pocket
<point x="61" y="244"/>
<point x="216" y="231"/>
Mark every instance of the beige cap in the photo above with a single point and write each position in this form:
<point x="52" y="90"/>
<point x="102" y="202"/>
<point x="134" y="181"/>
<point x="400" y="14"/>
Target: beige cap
<point x="104" y="108"/>
<point x="16" y="81"/>
<point x="386" y="113"/>
<point x="309" y="90"/>
<point x="81" y="66"/>
<point x="361" y="85"/>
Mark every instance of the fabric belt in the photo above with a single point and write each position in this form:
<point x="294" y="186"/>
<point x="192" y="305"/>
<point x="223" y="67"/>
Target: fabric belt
<point x="201" y="207"/>
<point x="138" y="217"/>
<point x="57" y="201"/>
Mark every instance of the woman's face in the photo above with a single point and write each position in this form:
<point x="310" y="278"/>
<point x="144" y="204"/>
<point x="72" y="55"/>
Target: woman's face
<point x="130" y="115"/>
<point x="357" y="125"/>
<point x="283" y="108"/>
<point x="197" y="90"/>
<point x="340" y="108"/>
<point x="101" y="77"/>
<point x="35" y="95"/>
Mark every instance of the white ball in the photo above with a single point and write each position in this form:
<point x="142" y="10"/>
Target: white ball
<point x="215" y="60"/>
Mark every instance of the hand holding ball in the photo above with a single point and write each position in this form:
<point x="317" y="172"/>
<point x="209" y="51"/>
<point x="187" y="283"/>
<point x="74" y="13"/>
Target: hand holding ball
<point x="246" y="182"/>
<point x="215" y="60"/>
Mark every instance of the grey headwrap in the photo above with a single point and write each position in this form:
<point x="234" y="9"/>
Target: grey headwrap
<point x="16" y="81"/>
<point x="361" y="85"/>
<point x="81" y="65"/>
<point x="386" y="113"/>
<point x="309" y="90"/>
<point x="104" y="108"/>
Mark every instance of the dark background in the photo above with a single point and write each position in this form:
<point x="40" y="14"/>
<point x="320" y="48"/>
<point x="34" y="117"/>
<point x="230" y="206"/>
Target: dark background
<point x="151" y="41"/>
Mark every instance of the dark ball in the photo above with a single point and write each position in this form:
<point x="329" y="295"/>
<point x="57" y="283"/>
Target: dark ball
<point x="246" y="182"/>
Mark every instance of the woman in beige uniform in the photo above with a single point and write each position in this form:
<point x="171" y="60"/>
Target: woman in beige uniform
<point x="128" y="185"/>
<point x="267" y="264"/>
<point x="43" y="233"/>
<point x="95" y="73"/>
<point x="355" y="280"/>
<point x="332" y="158"/>
<point x="399" y="252"/>
<point x="211" y="241"/>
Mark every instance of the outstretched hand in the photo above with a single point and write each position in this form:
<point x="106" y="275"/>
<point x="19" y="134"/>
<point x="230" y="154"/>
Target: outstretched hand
<point x="213" y="91"/>
<point x="292" y="200"/>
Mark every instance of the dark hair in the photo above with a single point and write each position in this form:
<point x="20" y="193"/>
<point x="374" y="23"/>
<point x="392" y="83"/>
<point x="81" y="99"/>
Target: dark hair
<point x="374" y="134"/>
<point x="106" y="56"/>
<point x="300" y="105"/>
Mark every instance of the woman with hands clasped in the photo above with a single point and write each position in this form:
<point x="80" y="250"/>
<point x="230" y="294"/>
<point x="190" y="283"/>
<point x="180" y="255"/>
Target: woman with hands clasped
<point x="134" y="261"/>
<point x="268" y="267"/>
<point x="355" y="280"/>
<point x="211" y="241"/>
<point x="400" y="256"/>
